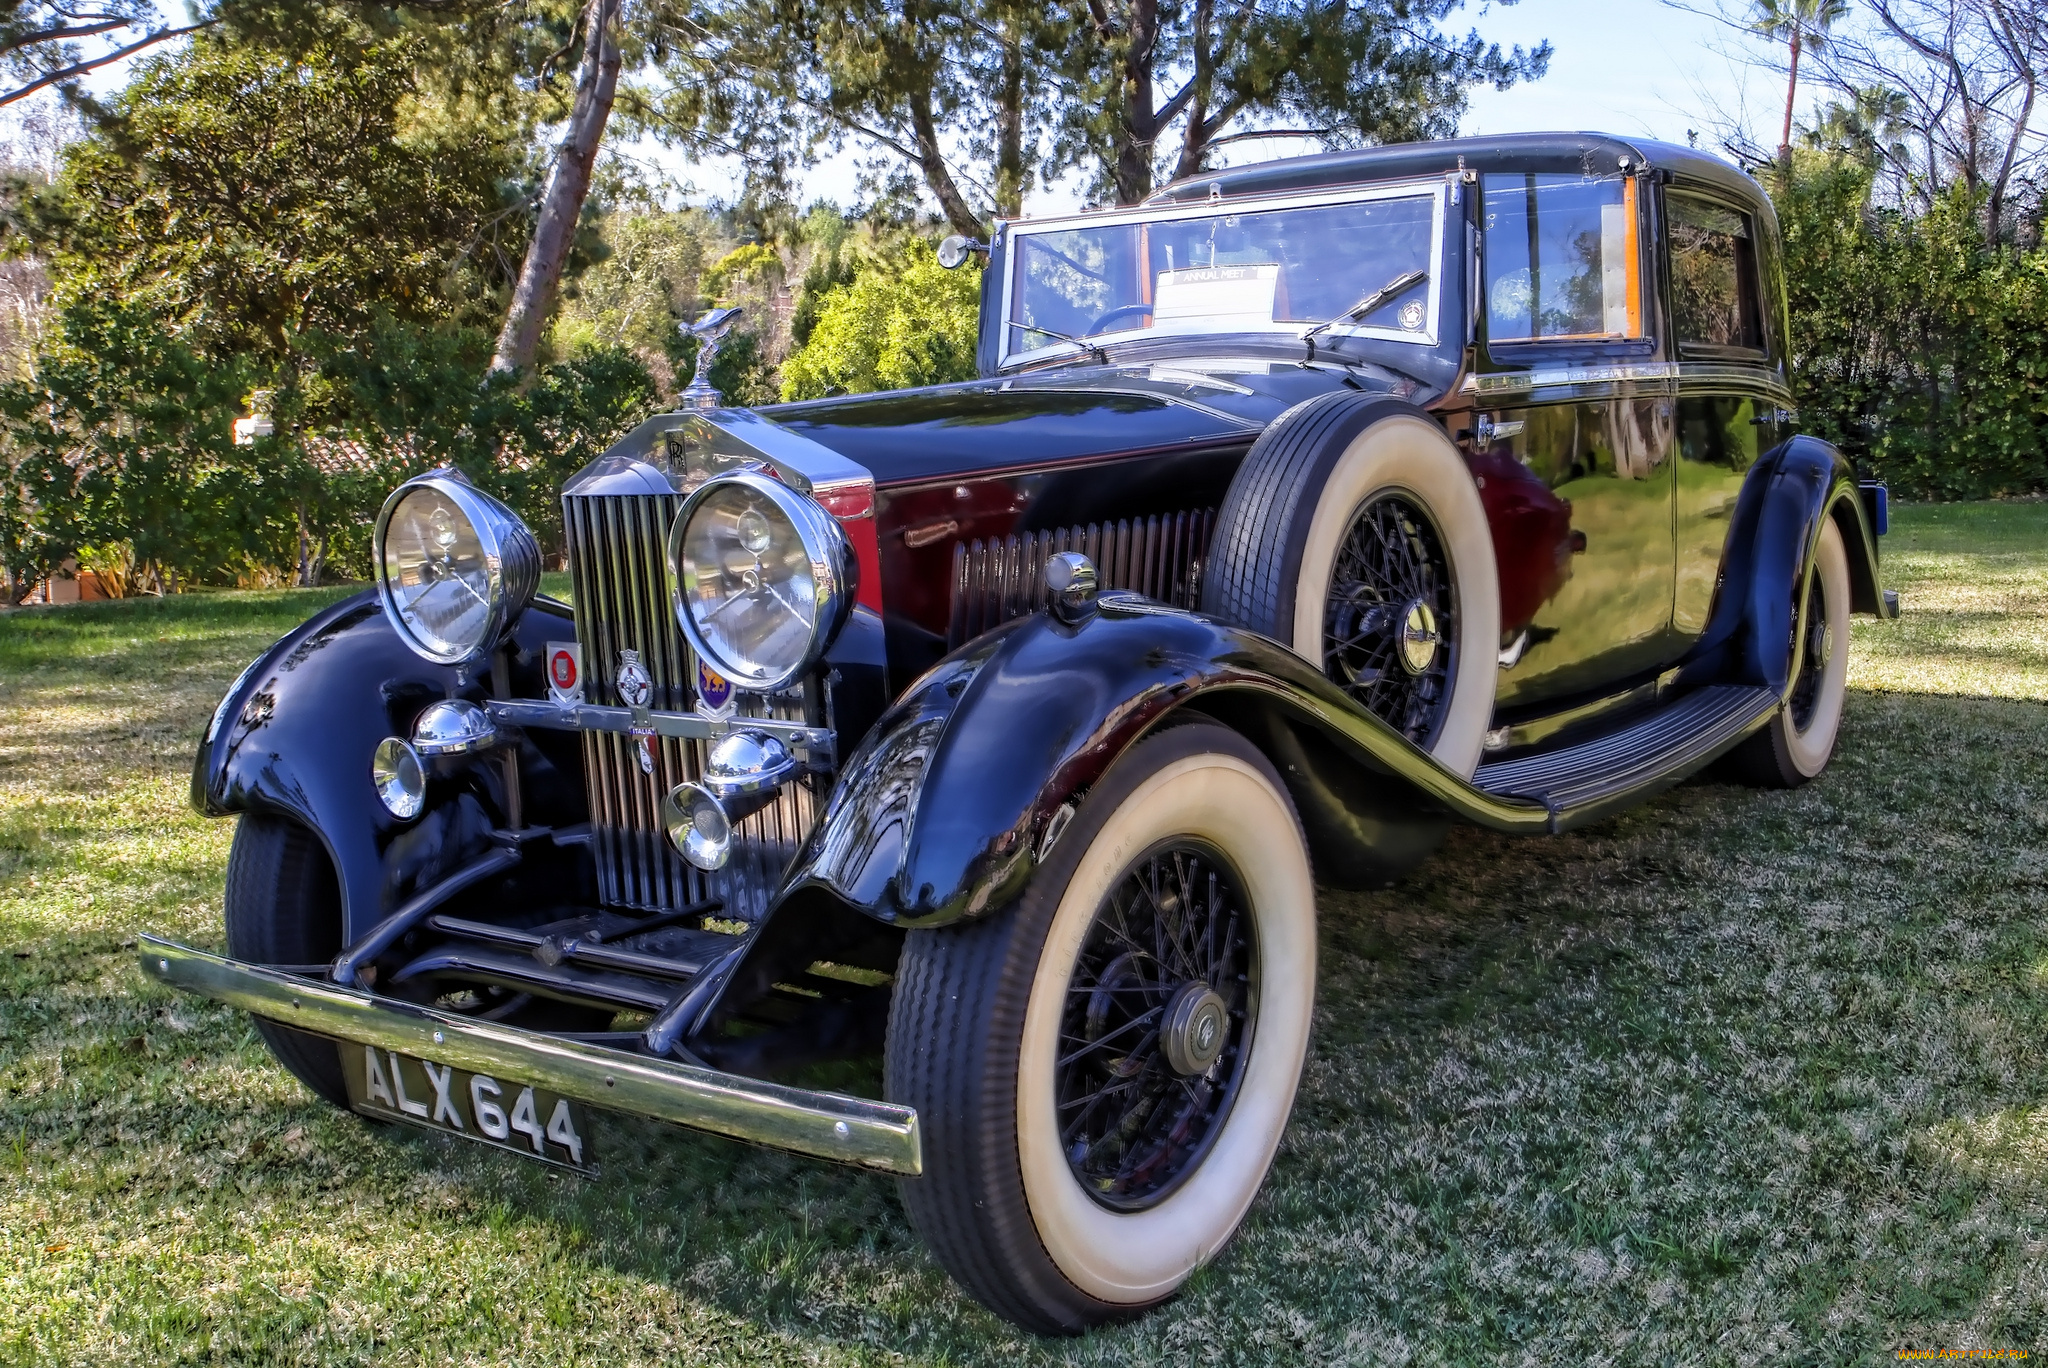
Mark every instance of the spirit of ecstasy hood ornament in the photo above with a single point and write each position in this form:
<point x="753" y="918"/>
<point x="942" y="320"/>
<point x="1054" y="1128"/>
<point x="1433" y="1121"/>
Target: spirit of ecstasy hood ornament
<point x="710" y="331"/>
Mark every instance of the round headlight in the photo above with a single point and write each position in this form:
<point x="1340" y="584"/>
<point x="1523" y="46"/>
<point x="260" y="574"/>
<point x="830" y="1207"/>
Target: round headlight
<point x="455" y="567"/>
<point x="764" y="579"/>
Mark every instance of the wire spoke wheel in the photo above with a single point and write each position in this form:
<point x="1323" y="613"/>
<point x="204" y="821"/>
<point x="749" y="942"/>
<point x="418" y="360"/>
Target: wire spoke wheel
<point x="1390" y="620"/>
<point x="1155" y="1029"/>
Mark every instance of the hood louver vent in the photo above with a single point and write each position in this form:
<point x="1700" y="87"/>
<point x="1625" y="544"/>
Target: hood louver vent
<point x="1002" y="578"/>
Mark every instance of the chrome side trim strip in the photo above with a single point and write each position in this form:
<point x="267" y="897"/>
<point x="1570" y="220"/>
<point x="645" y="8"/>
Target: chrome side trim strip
<point x="1690" y="376"/>
<point x="815" y="742"/>
<point x="850" y="1130"/>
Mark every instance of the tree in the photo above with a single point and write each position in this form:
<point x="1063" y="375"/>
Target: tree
<point x="1869" y="128"/>
<point x="315" y="220"/>
<point x="45" y="43"/>
<point x="1127" y="89"/>
<point x="647" y="283"/>
<point x="121" y="442"/>
<point x="777" y="81"/>
<point x="247" y="196"/>
<point x="568" y="185"/>
<point x="1971" y="71"/>
<point x="1365" y="71"/>
<point x="904" y="320"/>
<point x="1917" y="347"/>
<point x="1800" y="24"/>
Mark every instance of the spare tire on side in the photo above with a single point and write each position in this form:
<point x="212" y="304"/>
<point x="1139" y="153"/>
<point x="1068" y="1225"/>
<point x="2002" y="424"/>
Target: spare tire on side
<point x="1354" y="534"/>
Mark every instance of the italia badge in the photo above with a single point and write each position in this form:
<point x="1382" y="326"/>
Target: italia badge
<point x="636" y="691"/>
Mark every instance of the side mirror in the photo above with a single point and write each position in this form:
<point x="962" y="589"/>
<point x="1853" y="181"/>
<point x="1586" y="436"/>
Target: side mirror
<point x="955" y="250"/>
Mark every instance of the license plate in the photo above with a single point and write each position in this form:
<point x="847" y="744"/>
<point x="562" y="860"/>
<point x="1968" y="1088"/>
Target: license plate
<point x="530" y="1122"/>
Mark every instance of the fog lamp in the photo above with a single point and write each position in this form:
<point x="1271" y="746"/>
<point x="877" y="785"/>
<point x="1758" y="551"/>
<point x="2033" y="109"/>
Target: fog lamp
<point x="747" y="763"/>
<point x="454" y="726"/>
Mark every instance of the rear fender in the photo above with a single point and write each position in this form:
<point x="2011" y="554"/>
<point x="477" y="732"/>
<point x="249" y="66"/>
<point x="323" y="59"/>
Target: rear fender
<point x="966" y="783"/>
<point x="1777" y="524"/>
<point x="295" y="734"/>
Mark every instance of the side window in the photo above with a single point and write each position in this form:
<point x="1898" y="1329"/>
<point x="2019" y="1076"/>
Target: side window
<point x="1561" y="259"/>
<point x="1713" y="277"/>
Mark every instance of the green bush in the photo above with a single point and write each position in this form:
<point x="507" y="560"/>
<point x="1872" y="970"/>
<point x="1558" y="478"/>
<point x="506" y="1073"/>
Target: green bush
<point x="120" y="446"/>
<point x="902" y="321"/>
<point x="1919" y="350"/>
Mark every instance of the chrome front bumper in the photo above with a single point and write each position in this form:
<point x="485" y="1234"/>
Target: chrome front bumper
<point x="852" y="1130"/>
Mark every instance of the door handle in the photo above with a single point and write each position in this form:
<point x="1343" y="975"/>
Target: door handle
<point x="1485" y="431"/>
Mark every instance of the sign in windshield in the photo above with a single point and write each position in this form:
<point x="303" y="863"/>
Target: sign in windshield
<point x="1281" y="267"/>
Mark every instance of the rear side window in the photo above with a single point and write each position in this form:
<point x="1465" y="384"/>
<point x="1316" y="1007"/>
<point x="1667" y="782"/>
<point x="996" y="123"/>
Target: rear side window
<point x="1713" y="276"/>
<point x="1561" y="259"/>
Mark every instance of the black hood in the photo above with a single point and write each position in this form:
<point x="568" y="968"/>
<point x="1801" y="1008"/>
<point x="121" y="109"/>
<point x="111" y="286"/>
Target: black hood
<point x="1050" y="418"/>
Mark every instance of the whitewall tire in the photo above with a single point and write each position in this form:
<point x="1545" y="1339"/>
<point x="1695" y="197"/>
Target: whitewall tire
<point x="1125" y="1043"/>
<point x="1800" y="739"/>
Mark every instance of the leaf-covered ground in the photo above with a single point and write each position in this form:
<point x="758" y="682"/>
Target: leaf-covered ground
<point x="1737" y="1077"/>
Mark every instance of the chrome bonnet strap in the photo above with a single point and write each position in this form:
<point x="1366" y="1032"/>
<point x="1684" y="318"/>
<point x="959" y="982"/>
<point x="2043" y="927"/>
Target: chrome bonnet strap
<point x="851" y="1130"/>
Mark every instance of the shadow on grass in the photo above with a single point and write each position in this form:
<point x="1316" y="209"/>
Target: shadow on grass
<point x="1737" y="1074"/>
<point x="1616" y="1091"/>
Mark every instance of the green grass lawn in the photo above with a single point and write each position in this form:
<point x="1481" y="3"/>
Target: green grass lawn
<point x="1738" y="1077"/>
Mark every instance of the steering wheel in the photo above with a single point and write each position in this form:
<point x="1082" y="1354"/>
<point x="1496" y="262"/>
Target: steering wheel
<point x="1118" y="312"/>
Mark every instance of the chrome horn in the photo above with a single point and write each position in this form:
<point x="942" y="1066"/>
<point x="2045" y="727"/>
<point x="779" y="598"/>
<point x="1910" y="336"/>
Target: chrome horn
<point x="741" y="776"/>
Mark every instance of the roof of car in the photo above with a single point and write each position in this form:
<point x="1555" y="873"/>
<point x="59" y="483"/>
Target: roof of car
<point x="1556" y="153"/>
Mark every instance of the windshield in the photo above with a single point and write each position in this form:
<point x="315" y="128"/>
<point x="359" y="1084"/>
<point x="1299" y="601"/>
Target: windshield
<point x="1281" y="269"/>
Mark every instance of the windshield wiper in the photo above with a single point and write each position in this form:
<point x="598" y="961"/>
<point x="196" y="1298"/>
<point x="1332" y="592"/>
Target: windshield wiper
<point x="1093" y="349"/>
<point x="1407" y="280"/>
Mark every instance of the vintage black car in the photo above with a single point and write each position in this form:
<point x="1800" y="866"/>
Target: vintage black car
<point x="1005" y="729"/>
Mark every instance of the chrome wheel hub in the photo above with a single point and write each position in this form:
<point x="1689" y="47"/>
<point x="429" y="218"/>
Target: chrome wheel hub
<point x="1197" y="1021"/>
<point x="1419" y="638"/>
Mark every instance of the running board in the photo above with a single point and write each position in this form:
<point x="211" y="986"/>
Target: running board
<point x="1662" y="748"/>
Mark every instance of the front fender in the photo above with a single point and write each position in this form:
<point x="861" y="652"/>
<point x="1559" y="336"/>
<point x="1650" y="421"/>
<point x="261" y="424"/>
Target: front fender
<point x="960" y="790"/>
<point x="1778" y="520"/>
<point x="294" y="737"/>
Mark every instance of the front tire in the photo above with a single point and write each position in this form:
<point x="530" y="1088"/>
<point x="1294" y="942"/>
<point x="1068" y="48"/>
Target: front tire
<point x="284" y="907"/>
<point x="1799" y="741"/>
<point x="1103" y="1073"/>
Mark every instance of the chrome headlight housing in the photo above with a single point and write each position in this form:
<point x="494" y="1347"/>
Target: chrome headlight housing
<point x="455" y="568"/>
<point x="764" y="579"/>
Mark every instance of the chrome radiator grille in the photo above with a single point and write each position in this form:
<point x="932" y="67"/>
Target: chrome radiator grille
<point x="618" y="555"/>
<point x="1003" y="577"/>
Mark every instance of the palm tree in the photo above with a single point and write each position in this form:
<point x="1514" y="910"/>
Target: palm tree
<point x="1801" y="24"/>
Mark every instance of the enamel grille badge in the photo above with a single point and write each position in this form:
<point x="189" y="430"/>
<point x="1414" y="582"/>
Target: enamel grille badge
<point x="714" y="691"/>
<point x="636" y="687"/>
<point x="565" y="673"/>
<point x="636" y="691"/>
